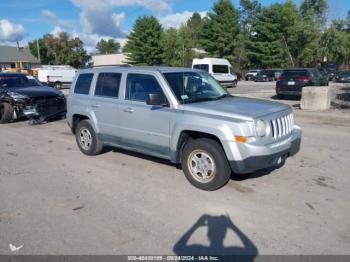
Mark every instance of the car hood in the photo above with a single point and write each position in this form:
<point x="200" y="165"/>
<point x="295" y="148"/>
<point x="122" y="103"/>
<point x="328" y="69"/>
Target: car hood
<point x="236" y="107"/>
<point x="34" y="91"/>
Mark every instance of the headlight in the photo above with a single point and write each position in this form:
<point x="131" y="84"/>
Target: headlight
<point x="261" y="128"/>
<point x="17" y="96"/>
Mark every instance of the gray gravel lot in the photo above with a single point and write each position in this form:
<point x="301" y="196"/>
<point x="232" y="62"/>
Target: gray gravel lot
<point x="55" y="200"/>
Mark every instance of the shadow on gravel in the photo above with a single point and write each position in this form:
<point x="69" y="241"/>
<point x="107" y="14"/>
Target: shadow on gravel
<point x="139" y="155"/>
<point x="257" y="174"/>
<point x="217" y="228"/>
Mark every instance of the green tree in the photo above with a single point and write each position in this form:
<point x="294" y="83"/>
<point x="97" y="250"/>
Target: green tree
<point x="172" y="47"/>
<point x="316" y="9"/>
<point x="108" y="46"/>
<point x="144" y="42"/>
<point x="268" y="46"/>
<point x="60" y="50"/>
<point x="177" y="46"/>
<point x="220" y="30"/>
<point x="335" y="44"/>
<point x="195" y="25"/>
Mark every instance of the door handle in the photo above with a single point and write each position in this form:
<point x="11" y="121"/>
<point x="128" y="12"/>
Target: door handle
<point x="128" y="110"/>
<point x="96" y="106"/>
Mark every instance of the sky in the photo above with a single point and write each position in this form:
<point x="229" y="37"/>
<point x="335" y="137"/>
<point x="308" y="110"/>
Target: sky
<point x="92" y="20"/>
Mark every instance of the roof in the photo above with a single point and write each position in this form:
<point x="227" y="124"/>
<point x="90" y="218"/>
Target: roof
<point x="220" y="61"/>
<point x="161" y="69"/>
<point x="10" y="54"/>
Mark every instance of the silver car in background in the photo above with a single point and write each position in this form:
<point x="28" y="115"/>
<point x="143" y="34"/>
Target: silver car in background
<point x="182" y="115"/>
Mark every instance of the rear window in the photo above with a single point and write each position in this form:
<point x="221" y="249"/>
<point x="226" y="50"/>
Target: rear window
<point x="83" y="84"/>
<point x="295" y="73"/>
<point x="202" y="67"/>
<point x="220" y="69"/>
<point x="108" y="85"/>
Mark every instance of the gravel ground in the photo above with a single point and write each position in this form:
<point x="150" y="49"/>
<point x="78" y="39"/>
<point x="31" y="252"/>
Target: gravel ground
<point x="55" y="200"/>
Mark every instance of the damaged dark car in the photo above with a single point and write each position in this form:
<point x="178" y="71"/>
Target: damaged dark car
<point x="23" y="96"/>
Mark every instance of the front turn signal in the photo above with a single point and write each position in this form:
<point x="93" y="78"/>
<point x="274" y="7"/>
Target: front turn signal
<point x="241" y="139"/>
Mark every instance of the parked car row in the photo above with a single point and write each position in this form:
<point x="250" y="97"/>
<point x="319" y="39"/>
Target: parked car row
<point x="342" y="77"/>
<point x="265" y="75"/>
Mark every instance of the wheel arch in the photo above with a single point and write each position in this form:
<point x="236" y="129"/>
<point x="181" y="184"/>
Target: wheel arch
<point x="77" y="118"/>
<point x="187" y="135"/>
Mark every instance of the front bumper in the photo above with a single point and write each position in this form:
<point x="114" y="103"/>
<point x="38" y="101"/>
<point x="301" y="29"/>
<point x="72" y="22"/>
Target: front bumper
<point x="274" y="159"/>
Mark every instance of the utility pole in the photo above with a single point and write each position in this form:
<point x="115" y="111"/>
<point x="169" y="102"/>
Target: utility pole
<point x="38" y="48"/>
<point x="183" y="55"/>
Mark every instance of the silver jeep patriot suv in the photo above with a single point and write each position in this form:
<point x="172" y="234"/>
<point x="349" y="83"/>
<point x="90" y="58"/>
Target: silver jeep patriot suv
<point x="182" y="115"/>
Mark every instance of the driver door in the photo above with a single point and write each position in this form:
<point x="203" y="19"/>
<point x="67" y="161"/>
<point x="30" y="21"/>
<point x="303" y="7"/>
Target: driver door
<point x="144" y="128"/>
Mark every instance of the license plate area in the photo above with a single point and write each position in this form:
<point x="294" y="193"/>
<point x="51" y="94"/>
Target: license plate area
<point x="291" y="83"/>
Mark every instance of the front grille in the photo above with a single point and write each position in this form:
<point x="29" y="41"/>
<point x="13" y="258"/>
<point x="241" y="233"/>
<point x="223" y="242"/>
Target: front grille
<point x="282" y="126"/>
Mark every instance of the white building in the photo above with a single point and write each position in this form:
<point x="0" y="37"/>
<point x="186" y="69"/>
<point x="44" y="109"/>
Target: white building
<point x="109" y="59"/>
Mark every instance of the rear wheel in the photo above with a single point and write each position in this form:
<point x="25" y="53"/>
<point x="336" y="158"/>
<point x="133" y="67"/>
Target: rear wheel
<point x="6" y="113"/>
<point x="87" y="140"/>
<point x="205" y="164"/>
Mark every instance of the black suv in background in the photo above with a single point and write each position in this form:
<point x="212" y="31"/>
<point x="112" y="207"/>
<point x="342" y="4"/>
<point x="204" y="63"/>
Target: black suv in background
<point x="292" y="81"/>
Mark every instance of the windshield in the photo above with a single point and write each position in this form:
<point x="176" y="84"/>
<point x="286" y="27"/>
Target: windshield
<point x="192" y="87"/>
<point x="11" y="81"/>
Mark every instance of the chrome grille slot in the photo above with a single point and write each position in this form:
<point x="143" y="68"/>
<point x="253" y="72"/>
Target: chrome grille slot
<point x="282" y="126"/>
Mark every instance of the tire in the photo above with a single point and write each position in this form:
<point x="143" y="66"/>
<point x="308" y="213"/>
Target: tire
<point x="58" y="85"/>
<point x="234" y="84"/>
<point x="89" y="144"/>
<point x="6" y="113"/>
<point x="209" y="152"/>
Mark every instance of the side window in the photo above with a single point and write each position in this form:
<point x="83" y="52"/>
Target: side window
<point x="108" y="85"/>
<point x="83" y="84"/>
<point x="138" y="87"/>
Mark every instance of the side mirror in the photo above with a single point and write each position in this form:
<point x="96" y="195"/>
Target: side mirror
<point x="156" y="99"/>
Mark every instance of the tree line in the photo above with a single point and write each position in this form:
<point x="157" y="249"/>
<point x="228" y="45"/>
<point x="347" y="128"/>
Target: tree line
<point x="250" y="36"/>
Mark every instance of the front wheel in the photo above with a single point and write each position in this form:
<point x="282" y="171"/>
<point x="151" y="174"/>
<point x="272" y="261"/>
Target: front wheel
<point x="205" y="164"/>
<point x="6" y="112"/>
<point x="87" y="140"/>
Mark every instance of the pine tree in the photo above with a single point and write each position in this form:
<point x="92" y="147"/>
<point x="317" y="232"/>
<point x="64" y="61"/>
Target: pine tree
<point x="220" y="30"/>
<point x="144" y="42"/>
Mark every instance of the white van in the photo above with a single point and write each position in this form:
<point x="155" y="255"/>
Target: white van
<point x="57" y="75"/>
<point x="220" y="69"/>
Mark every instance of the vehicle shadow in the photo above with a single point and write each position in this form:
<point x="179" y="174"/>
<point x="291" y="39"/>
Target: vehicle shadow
<point x="157" y="160"/>
<point x="254" y="175"/>
<point x="288" y="98"/>
<point x="217" y="229"/>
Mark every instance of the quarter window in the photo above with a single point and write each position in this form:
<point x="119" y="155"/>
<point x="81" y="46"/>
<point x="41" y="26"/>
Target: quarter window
<point x="83" y="84"/>
<point x="108" y="85"/>
<point x="139" y="86"/>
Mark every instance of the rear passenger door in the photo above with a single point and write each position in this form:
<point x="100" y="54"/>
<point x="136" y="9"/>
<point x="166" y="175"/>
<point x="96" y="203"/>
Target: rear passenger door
<point x="104" y="103"/>
<point x="144" y="127"/>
